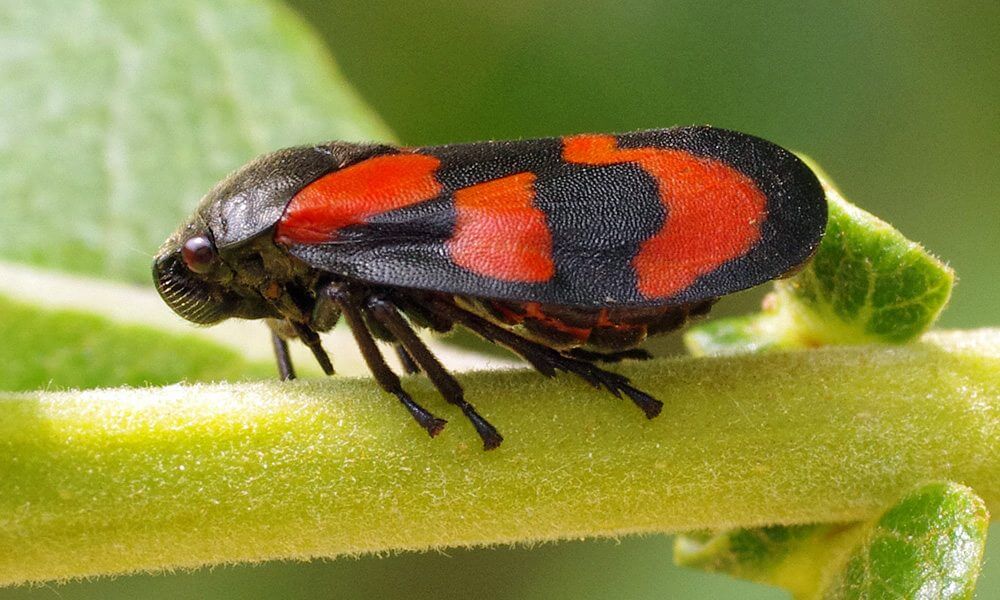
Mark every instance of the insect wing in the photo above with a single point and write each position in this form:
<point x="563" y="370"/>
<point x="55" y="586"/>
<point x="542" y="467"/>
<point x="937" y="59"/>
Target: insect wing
<point x="649" y="218"/>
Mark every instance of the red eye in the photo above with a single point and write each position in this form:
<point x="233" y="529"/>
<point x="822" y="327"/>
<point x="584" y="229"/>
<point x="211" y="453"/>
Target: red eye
<point x="199" y="254"/>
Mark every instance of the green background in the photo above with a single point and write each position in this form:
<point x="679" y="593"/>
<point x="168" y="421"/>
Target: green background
<point x="899" y="102"/>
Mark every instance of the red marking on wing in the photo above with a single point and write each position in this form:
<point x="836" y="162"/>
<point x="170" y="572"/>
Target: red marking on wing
<point x="353" y="194"/>
<point x="714" y="212"/>
<point x="499" y="233"/>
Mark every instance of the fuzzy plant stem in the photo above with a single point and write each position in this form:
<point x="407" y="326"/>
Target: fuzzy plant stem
<point x="114" y="481"/>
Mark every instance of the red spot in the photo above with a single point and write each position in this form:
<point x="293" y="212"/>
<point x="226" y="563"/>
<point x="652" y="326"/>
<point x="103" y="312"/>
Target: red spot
<point x="353" y="194"/>
<point x="534" y="310"/>
<point x="604" y="321"/>
<point x="506" y="314"/>
<point x="714" y="212"/>
<point x="499" y="233"/>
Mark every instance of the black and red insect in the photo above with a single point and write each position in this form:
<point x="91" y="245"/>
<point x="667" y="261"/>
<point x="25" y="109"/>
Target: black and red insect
<point x="569" y="251"/>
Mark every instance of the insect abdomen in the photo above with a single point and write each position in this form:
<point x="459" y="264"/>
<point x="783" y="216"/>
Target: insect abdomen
<point x="602" y="329"/>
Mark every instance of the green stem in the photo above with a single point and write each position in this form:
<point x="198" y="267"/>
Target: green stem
<point x="112" y="481"/>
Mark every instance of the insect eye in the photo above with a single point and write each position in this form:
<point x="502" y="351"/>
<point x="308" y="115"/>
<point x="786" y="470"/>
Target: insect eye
<point x="199" y="254"/>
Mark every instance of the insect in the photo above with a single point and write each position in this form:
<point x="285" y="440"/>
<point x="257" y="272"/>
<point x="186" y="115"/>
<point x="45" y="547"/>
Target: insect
<point x="568" y="251"/>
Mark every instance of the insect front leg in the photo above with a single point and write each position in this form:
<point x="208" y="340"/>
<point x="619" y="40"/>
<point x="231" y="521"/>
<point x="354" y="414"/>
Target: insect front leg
<point x="383" y="375"/>
<point x="310" y="338"/>
<point x="279" y="341"/>
<point x="293" y="325"/>
<point x="281" y="332"/>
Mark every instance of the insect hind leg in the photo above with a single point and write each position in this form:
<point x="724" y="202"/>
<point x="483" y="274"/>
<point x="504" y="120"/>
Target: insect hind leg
<point x="609" y="357"/>
<point x="548" y="361"/>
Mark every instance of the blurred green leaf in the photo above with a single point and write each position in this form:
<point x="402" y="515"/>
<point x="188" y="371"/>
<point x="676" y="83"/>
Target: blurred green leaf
<point x="119" y="116"/>
<point x="867" y="283"/>
<point x="70" y="349"/>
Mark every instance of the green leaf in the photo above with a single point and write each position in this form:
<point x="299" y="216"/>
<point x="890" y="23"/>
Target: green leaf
<point x="110" y="481"/>
<point x="784" y="556"/>
<point x="929" y="544"/>
<point x="119" y="116"/>
<point x="743" y="334"/>
<point x="867" y="283"/>
<point x="63" y="348"/>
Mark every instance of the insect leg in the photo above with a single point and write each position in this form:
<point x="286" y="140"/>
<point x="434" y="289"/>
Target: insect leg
<point x="610" y="357"/>
<point x="285" y="369"/>
<point x="384" y="376"/>
<point x="311" y="339"/>
<point x="547" y="361"/>
<point x="409" y="366"/>
<point x="386" y="314"/>
<point x="381" y="334"/>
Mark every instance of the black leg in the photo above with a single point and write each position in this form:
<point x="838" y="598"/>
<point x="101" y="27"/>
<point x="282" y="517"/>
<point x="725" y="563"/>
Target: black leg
<point x="547" y="361"/>
<point x="409" y="367"/>
<point x="386" y="314"/>
<point x="384" y="376"/>
<point x="610" y="357"/>
<point x="295" y="320"/>
<point x="285" y="369"/>
<point x="311" y="339"/>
